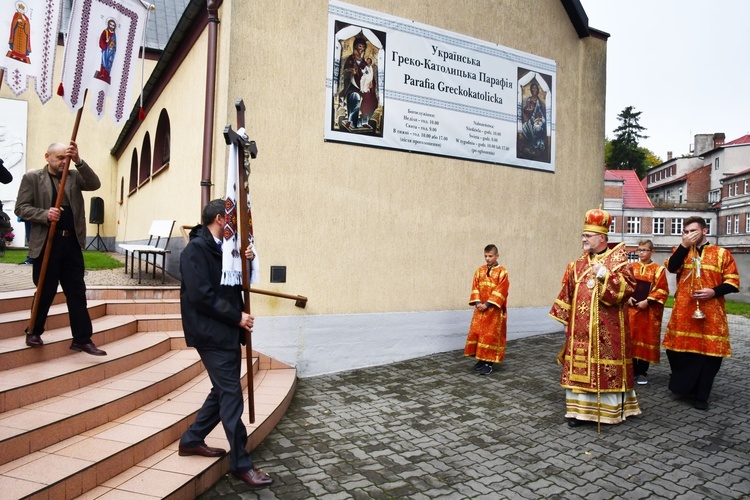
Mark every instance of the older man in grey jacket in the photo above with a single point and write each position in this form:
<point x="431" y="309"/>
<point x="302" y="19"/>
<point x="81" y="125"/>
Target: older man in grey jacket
<point x="36" y="200"/>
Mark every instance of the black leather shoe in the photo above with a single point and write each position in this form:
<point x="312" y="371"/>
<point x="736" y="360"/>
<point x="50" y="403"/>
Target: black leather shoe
<point x="34" y="340"/>
<point x="573" y="422"/>
<point x="89" y="348"/>
<point x="700" y="405"/>
<point x="254" y="477"/>
<point x="202" y="450"/>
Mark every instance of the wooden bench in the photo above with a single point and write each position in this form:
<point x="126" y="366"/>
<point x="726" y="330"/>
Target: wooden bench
<point x="160" y="233"/>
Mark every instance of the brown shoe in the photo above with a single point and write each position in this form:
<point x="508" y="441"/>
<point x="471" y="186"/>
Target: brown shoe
<point x="202" y="450"/>
<point x="34" y="340"/>
<point x="254" y="478"/>
<point x="89" y="348"/>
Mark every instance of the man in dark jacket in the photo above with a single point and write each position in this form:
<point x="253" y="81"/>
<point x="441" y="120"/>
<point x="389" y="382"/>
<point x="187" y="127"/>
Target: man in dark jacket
<point x="36" y="200"/>
<point x="214" y="322"/>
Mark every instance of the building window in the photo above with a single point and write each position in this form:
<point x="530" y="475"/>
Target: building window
<point x="737" y="224"/>
<point x="713" y="196"/>
<point x="676" y="226"/>
<point x="730" y="191"/>
<point x="658" y="225"/>
<point x="736" y="188"/>
<point x="634" y="225"/>
<point x="729" y="225"/>
<point x="144" y="172"/>
<point x="716" y="164"/>
<point x="612" y="226"/>
<point x="747" y="222"/>
<point x="745" y="188"/>
<point x="162" y="142"/>
<point x="133" y="172"/>
<point x="708" y="226"/>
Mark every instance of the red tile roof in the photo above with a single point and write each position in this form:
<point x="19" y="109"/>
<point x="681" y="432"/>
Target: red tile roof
<point x="745" y="139"/>
<point x="634" y="195"/>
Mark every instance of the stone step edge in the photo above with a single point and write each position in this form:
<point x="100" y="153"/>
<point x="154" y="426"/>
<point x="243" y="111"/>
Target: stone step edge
<point x="100" y="368"/>
<point x="89" y="476"/>
<point x="150" y="470"/>
<point x="57" y="341"/>
<point x="31" y="440"/>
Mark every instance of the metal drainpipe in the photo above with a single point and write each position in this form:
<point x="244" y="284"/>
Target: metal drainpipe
<point x="208" y="115"/>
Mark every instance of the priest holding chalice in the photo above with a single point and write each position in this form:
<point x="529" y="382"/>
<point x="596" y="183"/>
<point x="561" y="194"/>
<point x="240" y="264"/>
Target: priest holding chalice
<point x="697" y="336"/>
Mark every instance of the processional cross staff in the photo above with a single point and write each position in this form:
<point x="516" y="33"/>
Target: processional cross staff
<point x="244" y="226"/>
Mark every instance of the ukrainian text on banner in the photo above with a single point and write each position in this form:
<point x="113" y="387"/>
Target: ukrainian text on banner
<point x="32" y="27"/>
<point x="398" y="84"/>
<point x="101" y="52"/>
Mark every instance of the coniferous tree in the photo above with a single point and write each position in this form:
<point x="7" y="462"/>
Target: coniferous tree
<point x="625" y="153"/>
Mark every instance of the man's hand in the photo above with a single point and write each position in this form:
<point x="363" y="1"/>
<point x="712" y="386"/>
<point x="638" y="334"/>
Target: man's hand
<point x="481" y="307"/>
<point x="246" y="322"/>
<point x="691" y="239"/>
<point x="53" y="215"/>
<point x="704" y="294"/>
<point x="72" y="151"/>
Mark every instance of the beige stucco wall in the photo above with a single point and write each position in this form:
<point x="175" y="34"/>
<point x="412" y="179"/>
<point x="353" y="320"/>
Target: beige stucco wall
<point x="369" y="230"/>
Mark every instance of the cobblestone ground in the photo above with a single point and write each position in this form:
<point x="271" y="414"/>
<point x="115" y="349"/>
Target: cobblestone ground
<point x="432" y="428"/>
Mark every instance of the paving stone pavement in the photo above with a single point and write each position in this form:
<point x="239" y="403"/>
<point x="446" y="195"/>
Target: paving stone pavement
<point x="432" y="428"/>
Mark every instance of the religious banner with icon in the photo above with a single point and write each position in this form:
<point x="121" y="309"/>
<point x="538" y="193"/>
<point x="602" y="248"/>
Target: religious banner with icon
<point x="101" y="52"/>
<point x="398" y="84"/>
<point x="31" y="27"/>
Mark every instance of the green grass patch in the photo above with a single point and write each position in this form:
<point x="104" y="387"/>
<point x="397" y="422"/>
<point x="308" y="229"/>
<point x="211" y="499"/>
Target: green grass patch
<point x="738" y="308"/>
<point x="93" y="260"/>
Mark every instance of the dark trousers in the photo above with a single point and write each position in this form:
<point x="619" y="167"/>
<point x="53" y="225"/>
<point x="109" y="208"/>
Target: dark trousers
<point x="692" y="373"/>
<point x="224" y="403"/>
<point x="65" y="268"/>
<point x="640" y="367"/>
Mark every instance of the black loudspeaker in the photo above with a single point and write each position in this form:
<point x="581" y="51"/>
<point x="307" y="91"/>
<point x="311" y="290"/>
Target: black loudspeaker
<point x="96" y="214"/>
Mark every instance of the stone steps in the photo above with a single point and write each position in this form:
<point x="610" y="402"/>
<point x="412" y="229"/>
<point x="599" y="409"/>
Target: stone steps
<point x="75" y="425"/>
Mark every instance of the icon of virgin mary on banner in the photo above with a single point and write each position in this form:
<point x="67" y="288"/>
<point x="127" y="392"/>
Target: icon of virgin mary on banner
<point x="534" y="100"/>
<point x="358" y="84"/>
<point x="31" y="48"/>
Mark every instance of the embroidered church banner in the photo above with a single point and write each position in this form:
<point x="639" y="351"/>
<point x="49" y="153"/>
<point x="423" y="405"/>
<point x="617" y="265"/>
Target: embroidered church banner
<point x="101" y="52"/>
<point x="398" y="84"/>
<point x="31" y="27"/>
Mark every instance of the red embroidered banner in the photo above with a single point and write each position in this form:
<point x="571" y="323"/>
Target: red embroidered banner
<point x="101" y="51"/>
<point x="31" y="27"/>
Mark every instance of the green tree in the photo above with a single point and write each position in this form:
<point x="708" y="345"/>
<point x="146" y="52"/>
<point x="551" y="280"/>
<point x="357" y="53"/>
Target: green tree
<point x="625" y="154"/>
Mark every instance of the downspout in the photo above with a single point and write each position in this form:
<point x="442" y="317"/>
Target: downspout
<point x="208" y="116"/>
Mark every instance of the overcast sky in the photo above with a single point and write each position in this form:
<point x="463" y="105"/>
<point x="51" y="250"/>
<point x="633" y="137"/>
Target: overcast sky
<point x="684" y="63"/>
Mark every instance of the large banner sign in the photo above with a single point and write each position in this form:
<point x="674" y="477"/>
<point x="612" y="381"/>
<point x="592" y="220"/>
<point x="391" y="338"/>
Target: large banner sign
<point x="397" y="84"/>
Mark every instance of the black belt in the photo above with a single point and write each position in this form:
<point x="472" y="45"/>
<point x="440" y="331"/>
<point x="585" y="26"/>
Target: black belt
<point x="64" y="232"/>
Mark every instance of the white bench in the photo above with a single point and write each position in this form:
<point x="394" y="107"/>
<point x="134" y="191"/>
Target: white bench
<point x="160" y="232"/>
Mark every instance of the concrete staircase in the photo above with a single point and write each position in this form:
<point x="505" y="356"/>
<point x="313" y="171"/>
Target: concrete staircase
<point x="74" y="425"/>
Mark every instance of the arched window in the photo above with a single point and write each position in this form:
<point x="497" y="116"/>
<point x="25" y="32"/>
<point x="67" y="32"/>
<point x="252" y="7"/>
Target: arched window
<point x="144" y="172"/>
<point x="133" y="172"/>
<point x="162" y="142"/>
